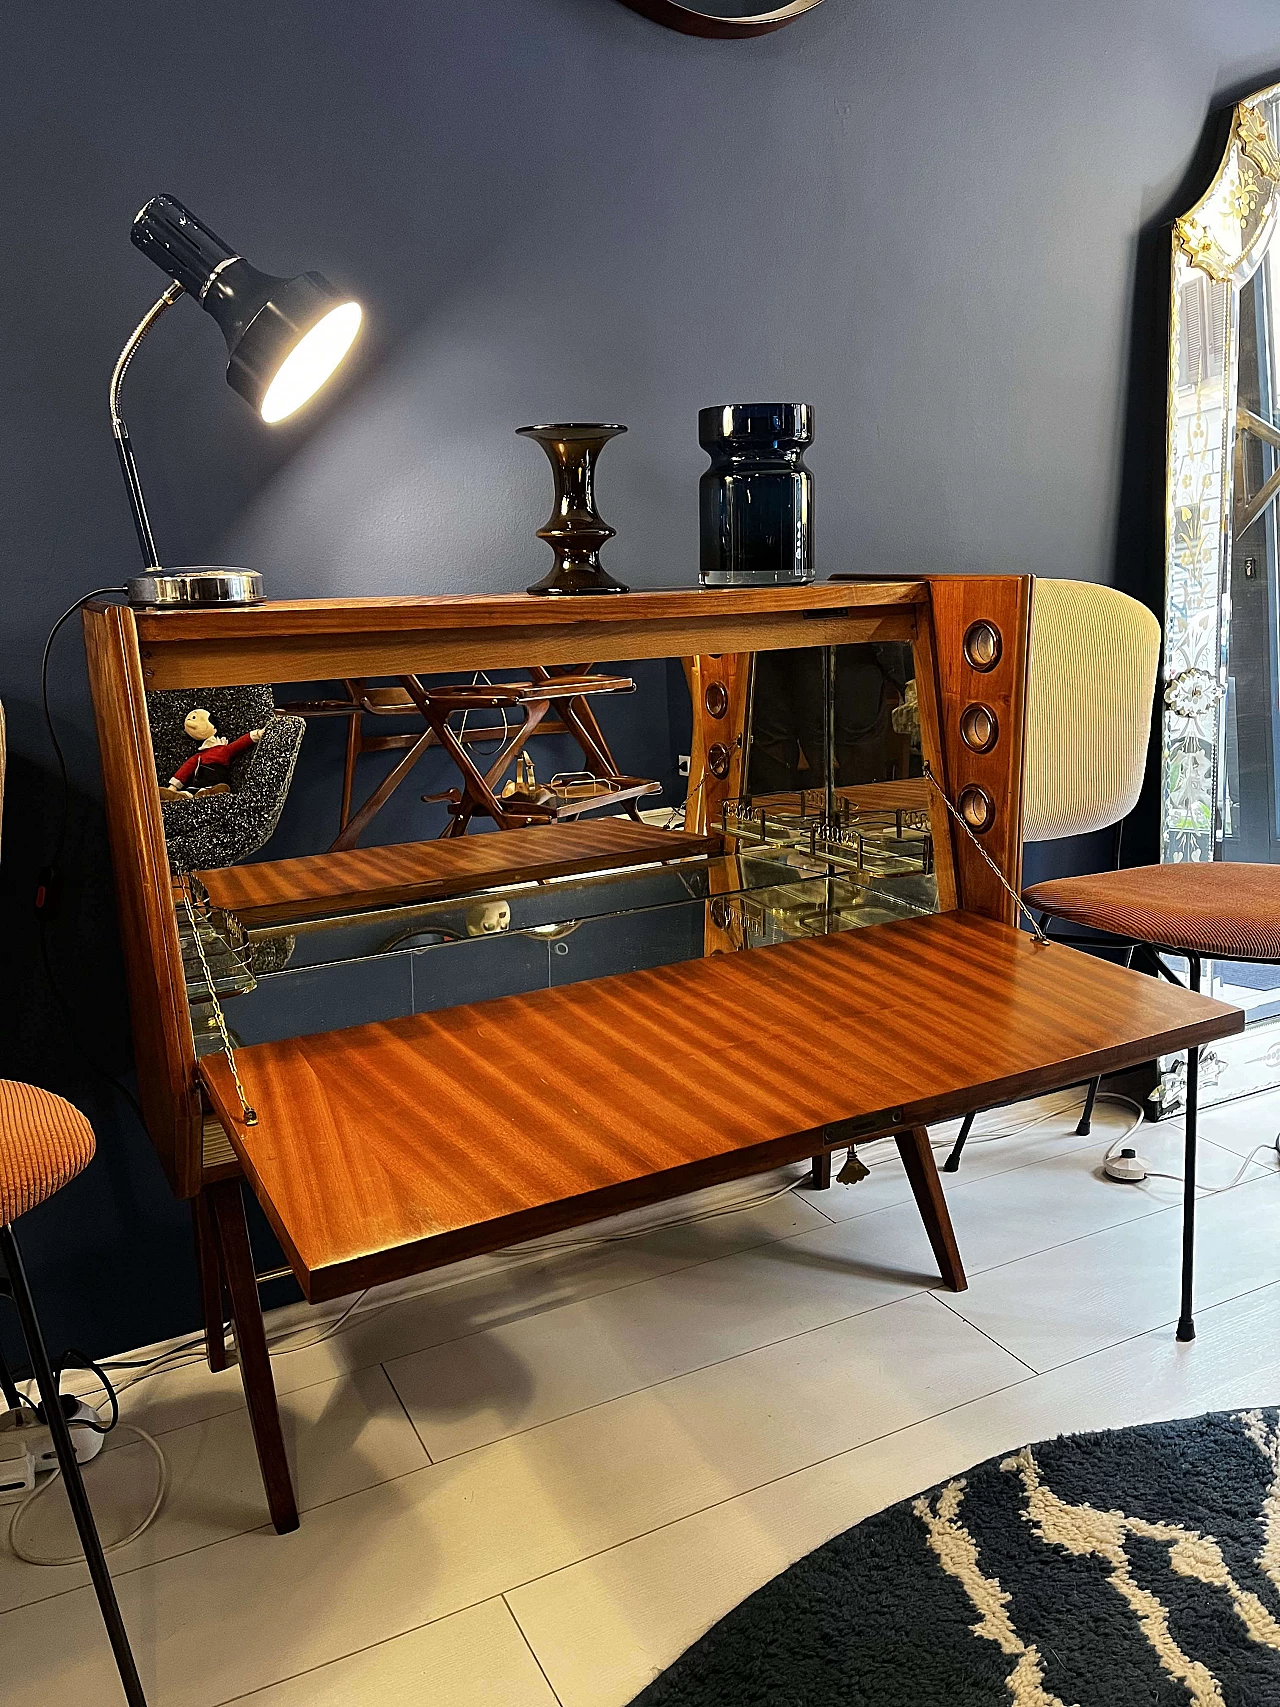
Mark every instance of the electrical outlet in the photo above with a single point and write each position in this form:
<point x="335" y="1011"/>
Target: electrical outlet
<point x="684" y="764"/>
<point x="20" y="1437"/>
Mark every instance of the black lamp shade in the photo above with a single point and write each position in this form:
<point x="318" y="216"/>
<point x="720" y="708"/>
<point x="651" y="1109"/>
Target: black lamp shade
<point x="263" y="318"/>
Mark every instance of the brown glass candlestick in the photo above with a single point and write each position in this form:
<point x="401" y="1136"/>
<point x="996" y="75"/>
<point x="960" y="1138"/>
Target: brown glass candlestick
<point x="576" y="531"/>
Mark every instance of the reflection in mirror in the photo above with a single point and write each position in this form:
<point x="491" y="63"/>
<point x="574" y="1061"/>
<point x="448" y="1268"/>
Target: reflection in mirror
<point x="791" y="734"/>
<point x="509" y="831"/>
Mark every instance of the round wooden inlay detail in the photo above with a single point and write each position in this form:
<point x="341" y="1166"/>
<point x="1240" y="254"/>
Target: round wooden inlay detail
<point x="976" y="808"/>
<point x="718" y="760"/>
<point x="978" y="728"/>
<point x="982" y="645"/>
<point x="716" y="699"/>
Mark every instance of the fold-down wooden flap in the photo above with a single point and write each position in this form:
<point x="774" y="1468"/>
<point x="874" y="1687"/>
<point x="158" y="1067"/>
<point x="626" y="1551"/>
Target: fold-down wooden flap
<point x="387" y="1149"/>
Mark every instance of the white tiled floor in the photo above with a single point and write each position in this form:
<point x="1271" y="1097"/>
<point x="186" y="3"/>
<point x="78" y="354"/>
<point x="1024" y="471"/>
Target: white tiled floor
<point x="538" y="1481"/>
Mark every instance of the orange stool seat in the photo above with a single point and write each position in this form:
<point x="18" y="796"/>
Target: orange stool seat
<point x="44" y="1142"/>
<point x="1222" y="910"/>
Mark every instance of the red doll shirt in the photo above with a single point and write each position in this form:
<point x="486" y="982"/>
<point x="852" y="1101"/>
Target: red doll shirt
<point x="212" y="759"/>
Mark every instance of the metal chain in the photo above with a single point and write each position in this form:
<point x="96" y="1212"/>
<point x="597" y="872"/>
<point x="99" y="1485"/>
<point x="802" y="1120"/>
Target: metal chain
<point x="248" y="1114"/>
<point x="1004" y="883"/>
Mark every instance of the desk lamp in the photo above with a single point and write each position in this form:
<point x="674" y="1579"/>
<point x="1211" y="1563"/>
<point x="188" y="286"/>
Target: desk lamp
<point x="285" y="337"/>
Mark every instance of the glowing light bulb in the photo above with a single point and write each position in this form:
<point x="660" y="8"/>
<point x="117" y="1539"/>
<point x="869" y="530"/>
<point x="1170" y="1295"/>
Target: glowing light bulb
<point x="311" y="360"/>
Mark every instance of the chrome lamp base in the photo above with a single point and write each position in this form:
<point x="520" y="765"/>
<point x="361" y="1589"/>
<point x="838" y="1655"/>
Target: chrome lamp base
<point x="196" y="586"/>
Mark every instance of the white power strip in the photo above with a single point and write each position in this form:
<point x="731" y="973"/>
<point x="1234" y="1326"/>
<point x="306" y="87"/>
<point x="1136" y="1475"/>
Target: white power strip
<point x="27" y="1449"/>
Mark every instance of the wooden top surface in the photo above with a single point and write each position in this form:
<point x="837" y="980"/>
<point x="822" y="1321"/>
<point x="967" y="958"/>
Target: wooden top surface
<point x="503" y="610"/>
<point x="314" y="640"/>
<point x="385" y="1149"/>
<point x="284" y="890"/>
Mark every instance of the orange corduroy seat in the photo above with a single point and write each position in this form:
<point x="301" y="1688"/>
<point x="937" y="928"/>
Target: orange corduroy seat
<point x="1221" y="910"/>
<point x="44" y="1142"/>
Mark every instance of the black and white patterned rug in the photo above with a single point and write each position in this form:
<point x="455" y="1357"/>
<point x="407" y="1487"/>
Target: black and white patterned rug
<point x="1097" y="1570"/>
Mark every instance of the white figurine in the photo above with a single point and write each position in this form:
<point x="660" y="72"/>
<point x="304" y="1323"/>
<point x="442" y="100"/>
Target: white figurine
<point x="206" y="771"/>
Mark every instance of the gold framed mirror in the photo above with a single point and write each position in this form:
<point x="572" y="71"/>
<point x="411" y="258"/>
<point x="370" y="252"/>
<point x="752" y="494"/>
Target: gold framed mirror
<point x="1220" y="776"/>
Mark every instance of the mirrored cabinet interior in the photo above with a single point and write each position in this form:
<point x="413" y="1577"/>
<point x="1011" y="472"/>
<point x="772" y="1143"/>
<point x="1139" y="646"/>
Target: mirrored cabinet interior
<point x="701" y="805"/>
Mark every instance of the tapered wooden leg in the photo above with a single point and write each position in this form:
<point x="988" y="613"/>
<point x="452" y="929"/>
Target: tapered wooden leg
<point x="926" y="1188"/>
<point x="227" y="1205"/>
<point x="211" y="1294"/>
<point x="820" y="1177"/>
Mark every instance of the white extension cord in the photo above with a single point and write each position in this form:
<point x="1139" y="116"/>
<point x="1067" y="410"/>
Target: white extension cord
<point x="1131" y="1169"/>
<point x="162" y="1488"/>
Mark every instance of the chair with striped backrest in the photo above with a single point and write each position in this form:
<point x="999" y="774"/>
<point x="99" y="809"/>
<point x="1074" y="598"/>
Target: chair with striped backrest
<point x="44" y="1143"/>
<point x="1094" y="657"/>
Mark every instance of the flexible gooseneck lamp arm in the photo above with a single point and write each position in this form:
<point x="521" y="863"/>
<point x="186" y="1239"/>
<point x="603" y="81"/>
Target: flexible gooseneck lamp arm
<point x="120" y="432"/>
<point x="284" y="336"/>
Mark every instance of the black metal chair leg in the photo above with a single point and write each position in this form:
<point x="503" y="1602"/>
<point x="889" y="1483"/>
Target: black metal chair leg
<point x="1086" y="1117"/>
<point x="80" y="1508"/>
<point x="952" y="1163"/>
<point x="1186" y="1321"/>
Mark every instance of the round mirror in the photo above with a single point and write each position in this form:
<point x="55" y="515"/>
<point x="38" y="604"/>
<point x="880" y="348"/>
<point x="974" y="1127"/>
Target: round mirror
<point x="721" y="17"/>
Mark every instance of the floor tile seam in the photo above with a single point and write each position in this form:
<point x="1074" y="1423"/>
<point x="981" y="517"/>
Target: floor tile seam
<point x="118" y="1572"/>
<point x="524" y="1637"/>
<point x="682" y="1374"/>
<point x="978" y="1140"/>
<point x="240" y="1405"/>
<point x="1201" y="1311"/>
<point x="602" y="1292"/>
<point x="807" y="1200"/>
<point x="381" y="1361"/>
<point x="1041" y="1250"/>
<point x="772" y="1481"/>
<point x="413" y="1425"/>
<point x="1048" y="1369"/>
<point x="977" y="1399"/>
<point x="1031" y="1370"/>
<point x="1114" y="1226"/>
<point x="455" y="1457"/>
<point x="988" y="1268"/>
<point x="353" y="1653"/>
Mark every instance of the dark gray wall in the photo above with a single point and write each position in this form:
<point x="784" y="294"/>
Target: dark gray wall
<point x="922" y="217"/>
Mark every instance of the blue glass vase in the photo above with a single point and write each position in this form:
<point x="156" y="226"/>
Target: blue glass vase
<point x="756" y="499"/>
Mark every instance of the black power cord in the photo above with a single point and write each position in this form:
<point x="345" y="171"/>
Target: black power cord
<point x="44" y="890"/>
<point x="47" y="883"/>
<point x="74" y="1359"/>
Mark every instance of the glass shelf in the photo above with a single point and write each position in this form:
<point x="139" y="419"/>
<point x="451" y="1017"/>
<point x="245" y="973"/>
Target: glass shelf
<point x="395" y="961"/>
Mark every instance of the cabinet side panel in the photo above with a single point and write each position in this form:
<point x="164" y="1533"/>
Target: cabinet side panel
<point x="164" y="1052"/>
<point x="718" y="735"/>
<point x="975" y="616"/>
